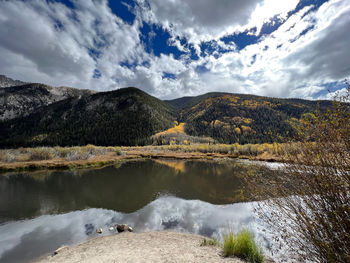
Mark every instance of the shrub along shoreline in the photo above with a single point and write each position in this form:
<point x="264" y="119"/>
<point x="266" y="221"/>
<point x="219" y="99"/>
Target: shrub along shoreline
<point x="22" y="159"/>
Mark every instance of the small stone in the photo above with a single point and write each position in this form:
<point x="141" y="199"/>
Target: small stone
<point x="124" y="228"/>
<point x="60" y="249"/>
<point x="120" y="228"/>
<point x="99" y="230"/>
<point x="111" y="228"/>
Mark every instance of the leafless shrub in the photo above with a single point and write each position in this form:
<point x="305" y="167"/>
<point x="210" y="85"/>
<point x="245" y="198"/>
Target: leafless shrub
<point x="308" y="205"/>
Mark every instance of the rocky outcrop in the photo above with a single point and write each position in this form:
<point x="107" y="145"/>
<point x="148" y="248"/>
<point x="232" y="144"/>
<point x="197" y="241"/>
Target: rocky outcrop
<point x="8" y="82"/>
<point x="19" y="101"/>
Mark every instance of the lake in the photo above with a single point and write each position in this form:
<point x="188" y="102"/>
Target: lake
<point x="43" y="210"/>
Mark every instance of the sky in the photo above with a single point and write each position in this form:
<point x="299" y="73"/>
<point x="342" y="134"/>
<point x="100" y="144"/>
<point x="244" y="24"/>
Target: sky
<point x="175" y="48"/>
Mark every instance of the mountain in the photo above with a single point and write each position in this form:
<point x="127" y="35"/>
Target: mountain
<point x="126" y="116"/>
<point x="231" y="118"/>
<point x="19" y="101"/>
<point x="8" y="82"/>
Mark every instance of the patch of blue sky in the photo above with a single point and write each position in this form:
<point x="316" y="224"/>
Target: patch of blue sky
<point x="128" y="64"/>
<point x="156" y="41"/>
<point x="306" y="30"/>
<point x="133" y="64"/>
<point x="242" y="39"/>
<point x="94" y="53"/>
<point x="330" y="87"/>
<point x="97" y="74"/>
<point x="271" y="26"/>
<point x="123" y="9"/>
<point x="214" y="48"/>
<point x="192" y="54"/>
<point x="146" y="64"/>
<point x="58" y="25"/>
<point x="248" y="37"/>
<point x="167" y="75"/>
<point x="315" y="3"/>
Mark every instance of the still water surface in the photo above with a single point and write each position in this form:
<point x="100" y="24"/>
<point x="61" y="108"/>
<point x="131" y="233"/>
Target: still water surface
<point x="41" y="211"/>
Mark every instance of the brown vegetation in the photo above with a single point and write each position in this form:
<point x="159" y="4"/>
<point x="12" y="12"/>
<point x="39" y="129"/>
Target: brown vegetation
<point x="90" y="155"/>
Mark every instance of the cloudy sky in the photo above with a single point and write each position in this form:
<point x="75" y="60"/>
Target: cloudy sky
<point x="173" y="48"/>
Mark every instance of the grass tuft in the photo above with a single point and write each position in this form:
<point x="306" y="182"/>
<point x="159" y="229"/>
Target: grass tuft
<point x="229" y="242"/>
<point x="243" y="246"/>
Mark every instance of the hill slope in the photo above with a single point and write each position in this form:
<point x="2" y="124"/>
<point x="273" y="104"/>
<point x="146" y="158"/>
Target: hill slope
<point x="126" y="116"/>
<point x="231" y="118"/>
<point x="19" y="101"/>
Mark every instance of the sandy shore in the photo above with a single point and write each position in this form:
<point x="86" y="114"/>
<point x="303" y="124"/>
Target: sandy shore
<point x="142" y="247"/>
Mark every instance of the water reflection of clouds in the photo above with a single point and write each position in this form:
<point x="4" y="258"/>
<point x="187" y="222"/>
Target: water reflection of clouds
<point x="193" y="216"/>
<point x="27" y="239"/>
<point x="31" y="238"/>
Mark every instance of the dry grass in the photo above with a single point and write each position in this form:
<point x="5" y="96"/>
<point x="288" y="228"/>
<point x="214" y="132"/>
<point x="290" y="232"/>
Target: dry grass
<point x="266" y="151"/>
<point x="90" y="155"/>
<point x="232" y="149"/>
<point x="49" y="153"/>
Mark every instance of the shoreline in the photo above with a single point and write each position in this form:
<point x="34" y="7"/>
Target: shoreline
<point x="159" y="246"/>
<point x="127" y="154"/>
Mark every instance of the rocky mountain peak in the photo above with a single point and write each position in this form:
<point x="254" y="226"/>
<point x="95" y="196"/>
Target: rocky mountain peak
<point x="8" y="82"/>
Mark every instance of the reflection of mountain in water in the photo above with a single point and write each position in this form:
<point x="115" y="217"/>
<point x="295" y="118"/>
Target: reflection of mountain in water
<point x="126" y="188"/>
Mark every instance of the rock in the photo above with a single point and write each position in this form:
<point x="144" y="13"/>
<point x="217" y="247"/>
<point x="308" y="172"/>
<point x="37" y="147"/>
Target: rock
<point x="111" y="228"/>
<point x="60" y="249"/>
<point x="99" y="230"/>
<point x="124" y="228"/>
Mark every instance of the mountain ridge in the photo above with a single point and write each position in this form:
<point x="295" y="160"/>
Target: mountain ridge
<point x="37" y="114"/>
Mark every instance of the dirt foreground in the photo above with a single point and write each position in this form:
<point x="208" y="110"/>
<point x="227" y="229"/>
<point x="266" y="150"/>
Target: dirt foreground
<point x="141" y="247"/>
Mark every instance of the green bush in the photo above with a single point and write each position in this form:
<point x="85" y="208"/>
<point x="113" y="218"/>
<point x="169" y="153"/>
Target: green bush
<point x="243" y="246"/>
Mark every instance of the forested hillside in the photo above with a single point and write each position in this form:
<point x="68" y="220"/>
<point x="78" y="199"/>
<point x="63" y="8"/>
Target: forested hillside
<point x="126" y="116"/>
<point x="231" y="118"/>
